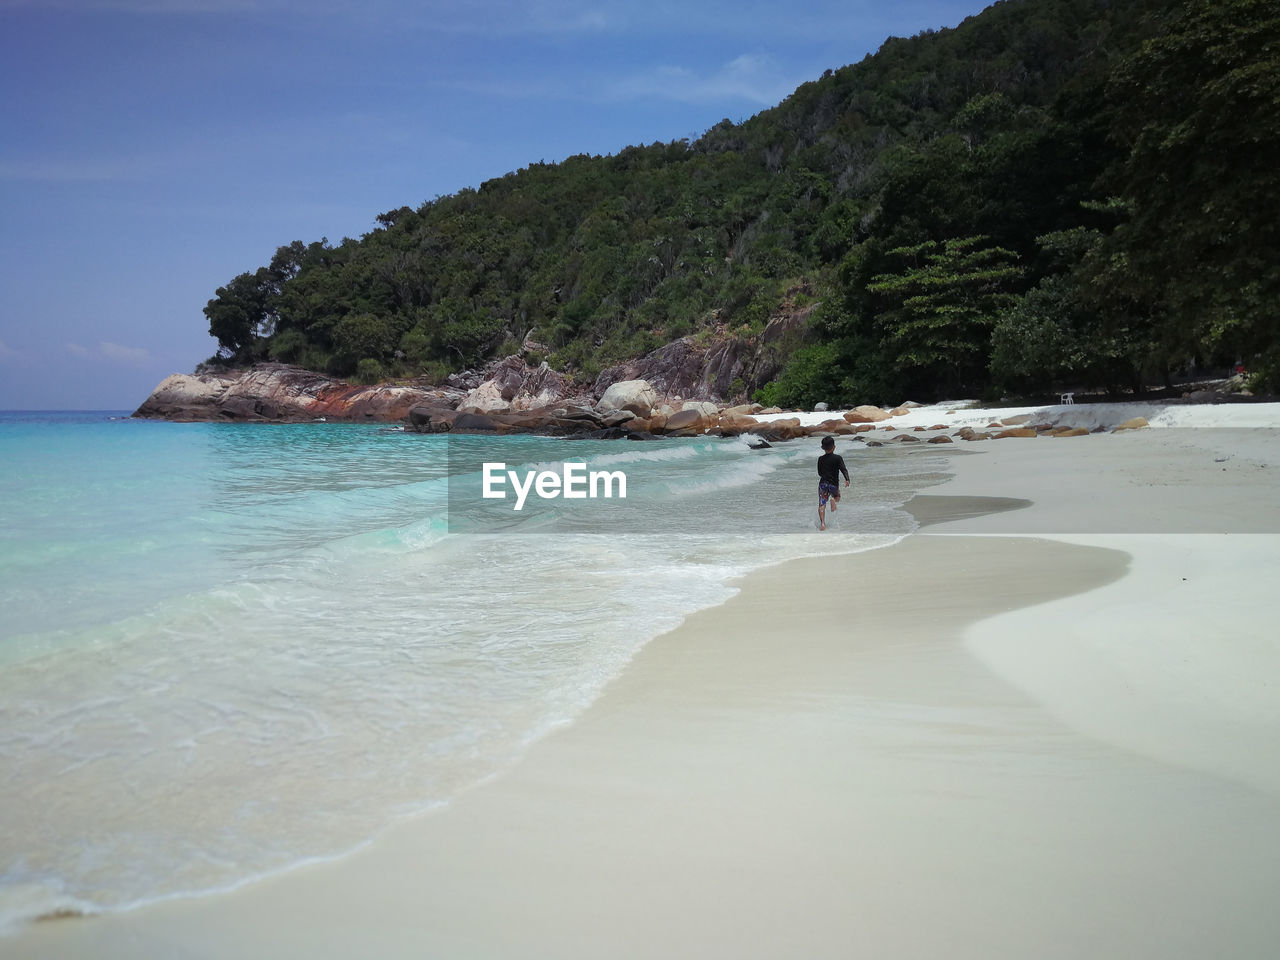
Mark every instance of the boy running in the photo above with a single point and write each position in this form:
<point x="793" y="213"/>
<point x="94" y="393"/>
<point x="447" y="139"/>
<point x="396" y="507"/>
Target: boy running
<point x="830" y="466"/>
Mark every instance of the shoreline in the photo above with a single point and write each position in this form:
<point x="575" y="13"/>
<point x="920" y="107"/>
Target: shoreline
<point x="779" y="777"/>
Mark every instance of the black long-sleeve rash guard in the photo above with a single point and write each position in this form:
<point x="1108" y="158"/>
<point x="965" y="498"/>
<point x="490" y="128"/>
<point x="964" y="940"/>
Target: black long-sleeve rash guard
<point x="830" y="466"/>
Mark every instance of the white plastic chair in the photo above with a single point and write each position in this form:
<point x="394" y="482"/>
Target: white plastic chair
<point x="1067" y="398"/>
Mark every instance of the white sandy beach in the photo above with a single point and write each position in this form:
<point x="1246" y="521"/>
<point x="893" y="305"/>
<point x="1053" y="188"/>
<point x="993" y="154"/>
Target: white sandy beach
<point x="1049" y="731"/>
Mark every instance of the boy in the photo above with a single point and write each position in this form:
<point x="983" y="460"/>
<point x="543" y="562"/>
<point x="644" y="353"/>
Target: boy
<point x="830" y="466"/>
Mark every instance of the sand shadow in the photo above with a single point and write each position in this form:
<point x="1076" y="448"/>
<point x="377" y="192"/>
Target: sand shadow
<point x="929" y="510"/>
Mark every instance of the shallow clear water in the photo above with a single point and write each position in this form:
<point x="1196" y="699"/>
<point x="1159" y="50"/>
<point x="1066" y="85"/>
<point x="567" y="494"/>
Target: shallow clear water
<point x="227" y="649"/>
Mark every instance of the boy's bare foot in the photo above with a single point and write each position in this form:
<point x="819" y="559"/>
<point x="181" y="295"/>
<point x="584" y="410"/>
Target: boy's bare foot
<point x="822" y="526"/>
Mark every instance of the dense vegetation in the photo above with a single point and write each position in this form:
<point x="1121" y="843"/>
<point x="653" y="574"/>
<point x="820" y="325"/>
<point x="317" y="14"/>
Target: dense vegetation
<point x="1055" y="192"/>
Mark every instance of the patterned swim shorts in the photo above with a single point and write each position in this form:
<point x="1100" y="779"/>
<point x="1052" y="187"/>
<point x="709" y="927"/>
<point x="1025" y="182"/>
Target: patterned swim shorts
<point x="826" y="490"/>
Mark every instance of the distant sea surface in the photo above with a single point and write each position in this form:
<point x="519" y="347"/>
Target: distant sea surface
<point x="228" y="649"/>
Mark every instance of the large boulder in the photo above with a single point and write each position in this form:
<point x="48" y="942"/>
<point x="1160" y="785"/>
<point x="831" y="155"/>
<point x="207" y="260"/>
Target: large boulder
<point x="486" y="398"/>
<point x="731" y="425"/>
<point x="704" y="407"/>
<point x="687" y="423"/>
<point x="867" y="414"/>
<point x="838" y="428"/>
<point x="775" y="430"/>
<point x="185" y="396"/>
<point x="637" y="396"/>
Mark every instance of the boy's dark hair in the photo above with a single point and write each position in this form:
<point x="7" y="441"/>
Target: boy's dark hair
<point x="828" y="443"/>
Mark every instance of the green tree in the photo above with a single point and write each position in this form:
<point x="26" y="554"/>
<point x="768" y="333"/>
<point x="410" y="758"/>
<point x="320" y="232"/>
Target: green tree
<point x="240" y="315"/>
<point x="1198" y="109"/>
<point x="811" y="375"/>
<point x="362" y="336"/>
<point x="936" y="314"/>
<point x="992" y="128"/>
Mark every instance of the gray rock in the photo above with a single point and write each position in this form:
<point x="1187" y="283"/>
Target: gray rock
<point x="704" y="407"/>
<point x="636" y="396"/>
<point x="278" y="391"/>
<point x="730" y="367"/>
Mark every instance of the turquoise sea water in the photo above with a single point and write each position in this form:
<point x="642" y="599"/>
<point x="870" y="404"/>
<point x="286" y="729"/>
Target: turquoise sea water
<point x="229" y="649"/>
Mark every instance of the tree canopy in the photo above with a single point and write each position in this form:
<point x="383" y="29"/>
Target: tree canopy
<point x="1053" y="191"/>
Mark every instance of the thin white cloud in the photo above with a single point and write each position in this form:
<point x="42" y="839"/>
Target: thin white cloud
<point x="7" y="352"/>
<point x="136" y="356"/>
<point x="754" y="78"/>
<point x="76" y="350"/>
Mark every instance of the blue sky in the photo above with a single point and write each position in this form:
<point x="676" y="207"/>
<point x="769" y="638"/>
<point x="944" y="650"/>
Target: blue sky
<point x="150" y="150"/>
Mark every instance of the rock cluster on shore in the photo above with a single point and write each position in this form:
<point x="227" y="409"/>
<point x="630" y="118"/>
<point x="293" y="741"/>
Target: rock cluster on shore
<point x="514" y="396"/>
<point x="688" y="369"/>
<point x="282" y="393"/>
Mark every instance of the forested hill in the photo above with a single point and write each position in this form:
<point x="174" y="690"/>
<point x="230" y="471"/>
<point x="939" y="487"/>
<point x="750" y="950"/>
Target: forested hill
<point x="1076" y="192"/>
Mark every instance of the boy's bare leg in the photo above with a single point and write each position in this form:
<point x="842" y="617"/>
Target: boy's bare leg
<point x="822" y="517"/>
<point x="835" y="502"/>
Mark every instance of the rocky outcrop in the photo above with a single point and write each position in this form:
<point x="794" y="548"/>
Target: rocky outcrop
<point x="279" y="392"/>
<point x="729" y="368"/>
<point x="680" y="369"/>
<point x="682" y="374"/>
<point x="723" y="368"/>
<point x="511" y="384"/>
